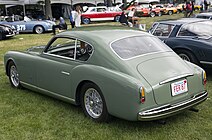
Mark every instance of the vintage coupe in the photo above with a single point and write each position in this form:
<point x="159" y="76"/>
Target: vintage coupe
<point x="33" y="26"/>
<point x="6" y="31"/>
<point x="101" y="13"/>
<point x="190" y="38"/>
<point x="124" y="73"/>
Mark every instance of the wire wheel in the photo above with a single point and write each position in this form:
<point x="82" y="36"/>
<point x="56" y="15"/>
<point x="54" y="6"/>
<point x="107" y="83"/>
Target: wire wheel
<point x="93" y="103"/>
<point x="185" y="57"/>
<point x="14" y="75"/>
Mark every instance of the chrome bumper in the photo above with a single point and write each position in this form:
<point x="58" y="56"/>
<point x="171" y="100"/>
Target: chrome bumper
<point x="10" y="35"/>
<point x="170" y="109"/>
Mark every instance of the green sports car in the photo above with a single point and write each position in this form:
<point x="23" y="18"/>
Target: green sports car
<point x="124" y="73"/>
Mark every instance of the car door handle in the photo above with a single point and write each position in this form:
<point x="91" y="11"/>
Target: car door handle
<point x="66" y="73"/>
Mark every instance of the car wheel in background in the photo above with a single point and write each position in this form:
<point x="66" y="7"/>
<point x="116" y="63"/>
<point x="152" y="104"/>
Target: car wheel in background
<point x="13" y="75"/>
<point x="116" y="18"/>
<point x="93" y="103"/>
<point x="188" y="56"/>
<point x="2" y="35"/>
<point x="170" y="12"/>
<point x="86" y="20"/>
<point x="152" y="14"/>
<point x="38" y="29"/>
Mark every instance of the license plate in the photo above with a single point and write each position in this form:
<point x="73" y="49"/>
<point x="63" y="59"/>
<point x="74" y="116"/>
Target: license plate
<point x="179" y="87"/>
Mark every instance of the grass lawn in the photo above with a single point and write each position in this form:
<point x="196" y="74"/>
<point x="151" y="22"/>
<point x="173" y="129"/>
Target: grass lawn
<point x="29" y="115"/>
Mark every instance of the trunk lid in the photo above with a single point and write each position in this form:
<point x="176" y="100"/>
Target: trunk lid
<point x="161" y="73"/>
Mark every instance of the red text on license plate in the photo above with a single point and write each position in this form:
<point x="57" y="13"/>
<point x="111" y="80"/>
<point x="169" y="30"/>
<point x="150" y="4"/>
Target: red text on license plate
<point x="179" y="87"/>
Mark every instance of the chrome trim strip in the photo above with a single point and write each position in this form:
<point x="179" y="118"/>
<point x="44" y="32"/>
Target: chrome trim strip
<point x="58" y="56"/>
<point x="205" y="62"/>
<point x="44" y="90"/>
<point x="174" y="78"/>
<point x="157" y="113"/>
<point x="10" y="35"/>
<point x="66" y="73"/>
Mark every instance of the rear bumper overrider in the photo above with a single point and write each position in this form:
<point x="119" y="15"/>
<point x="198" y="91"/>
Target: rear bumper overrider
<point x="170" y="109"/>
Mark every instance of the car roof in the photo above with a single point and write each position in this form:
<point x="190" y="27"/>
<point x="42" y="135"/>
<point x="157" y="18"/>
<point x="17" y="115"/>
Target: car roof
<point x="182" y="21"/>
<point x="103" y="35"/>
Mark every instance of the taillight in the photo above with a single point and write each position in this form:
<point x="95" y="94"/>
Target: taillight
<point x="142" y="95"/>
<point x="204" y="78"/>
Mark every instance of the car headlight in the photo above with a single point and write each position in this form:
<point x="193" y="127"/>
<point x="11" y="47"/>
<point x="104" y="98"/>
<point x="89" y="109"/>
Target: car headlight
<point x="7" y="29"/>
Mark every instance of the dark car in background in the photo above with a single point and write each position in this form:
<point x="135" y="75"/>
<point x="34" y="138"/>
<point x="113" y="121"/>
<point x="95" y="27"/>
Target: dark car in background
<point x="204" y="15"/>
<point x="190" y="38"/>
<point x="6" y="31"/>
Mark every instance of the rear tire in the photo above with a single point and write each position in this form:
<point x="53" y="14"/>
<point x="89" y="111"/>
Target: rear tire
<point x="13" y="75"/>
<point x="188" y="56"/>
<point x="93" y="103"/>
<point x="116" y="19"/>
<point x="86" y="20"/>
<point x="170" y="12"/>
<point x="38" y="29"/>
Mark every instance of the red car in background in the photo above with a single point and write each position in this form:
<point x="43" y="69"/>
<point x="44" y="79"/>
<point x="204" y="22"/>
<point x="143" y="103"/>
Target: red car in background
<point x="101" y="13"/>
<point x="145" y="10"/>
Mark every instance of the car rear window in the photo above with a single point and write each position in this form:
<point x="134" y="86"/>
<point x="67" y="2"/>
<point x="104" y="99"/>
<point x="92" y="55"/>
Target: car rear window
<point x="202" y="28"/>
<point x="138" y="45"/>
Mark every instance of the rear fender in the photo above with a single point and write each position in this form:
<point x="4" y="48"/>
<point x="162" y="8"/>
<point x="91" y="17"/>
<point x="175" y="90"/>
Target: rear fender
<point x="121" y="91"/>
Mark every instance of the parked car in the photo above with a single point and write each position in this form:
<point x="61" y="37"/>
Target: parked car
<point x="204" y="15"/>
<point x="124" y="73"/>
<point x="34" y="26"/>
<point x="101" y="13"/>
<point x="190" y="38"/>
<point x="6" y="31"/>
<point x="145" y="9"/>
<point x="167" y="9"/>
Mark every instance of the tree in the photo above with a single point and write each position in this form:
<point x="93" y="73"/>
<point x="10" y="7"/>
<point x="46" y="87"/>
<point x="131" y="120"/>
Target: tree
<point x="124" y="2"/>
<point x="109" y="3"/>
<point x="48" y="9"/>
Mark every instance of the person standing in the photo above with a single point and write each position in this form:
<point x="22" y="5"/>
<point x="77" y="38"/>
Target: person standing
<point x="72" y="18"/>
<point x="192" y="8"/>
<point x="78" y="16"/>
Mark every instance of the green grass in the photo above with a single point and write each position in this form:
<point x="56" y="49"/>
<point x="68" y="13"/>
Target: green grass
<point x="29" y="115"/>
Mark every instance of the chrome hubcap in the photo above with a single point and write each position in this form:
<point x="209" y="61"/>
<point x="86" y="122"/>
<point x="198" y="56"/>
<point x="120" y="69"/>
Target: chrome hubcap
<point x="185" y="57"/>
<point x="93" y="103"/>
<point x="39" y="30"/>
<point x="14" y="76"/>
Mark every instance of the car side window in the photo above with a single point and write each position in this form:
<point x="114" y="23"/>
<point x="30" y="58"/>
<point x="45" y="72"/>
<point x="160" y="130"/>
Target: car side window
<point x="101" y="9"/>
<point x="163" y="30"/>
<point x="62" y="47"/>
<point x="84" y="51"/>
<point x="93" y="10"/>
<point x="185" y="32"/>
